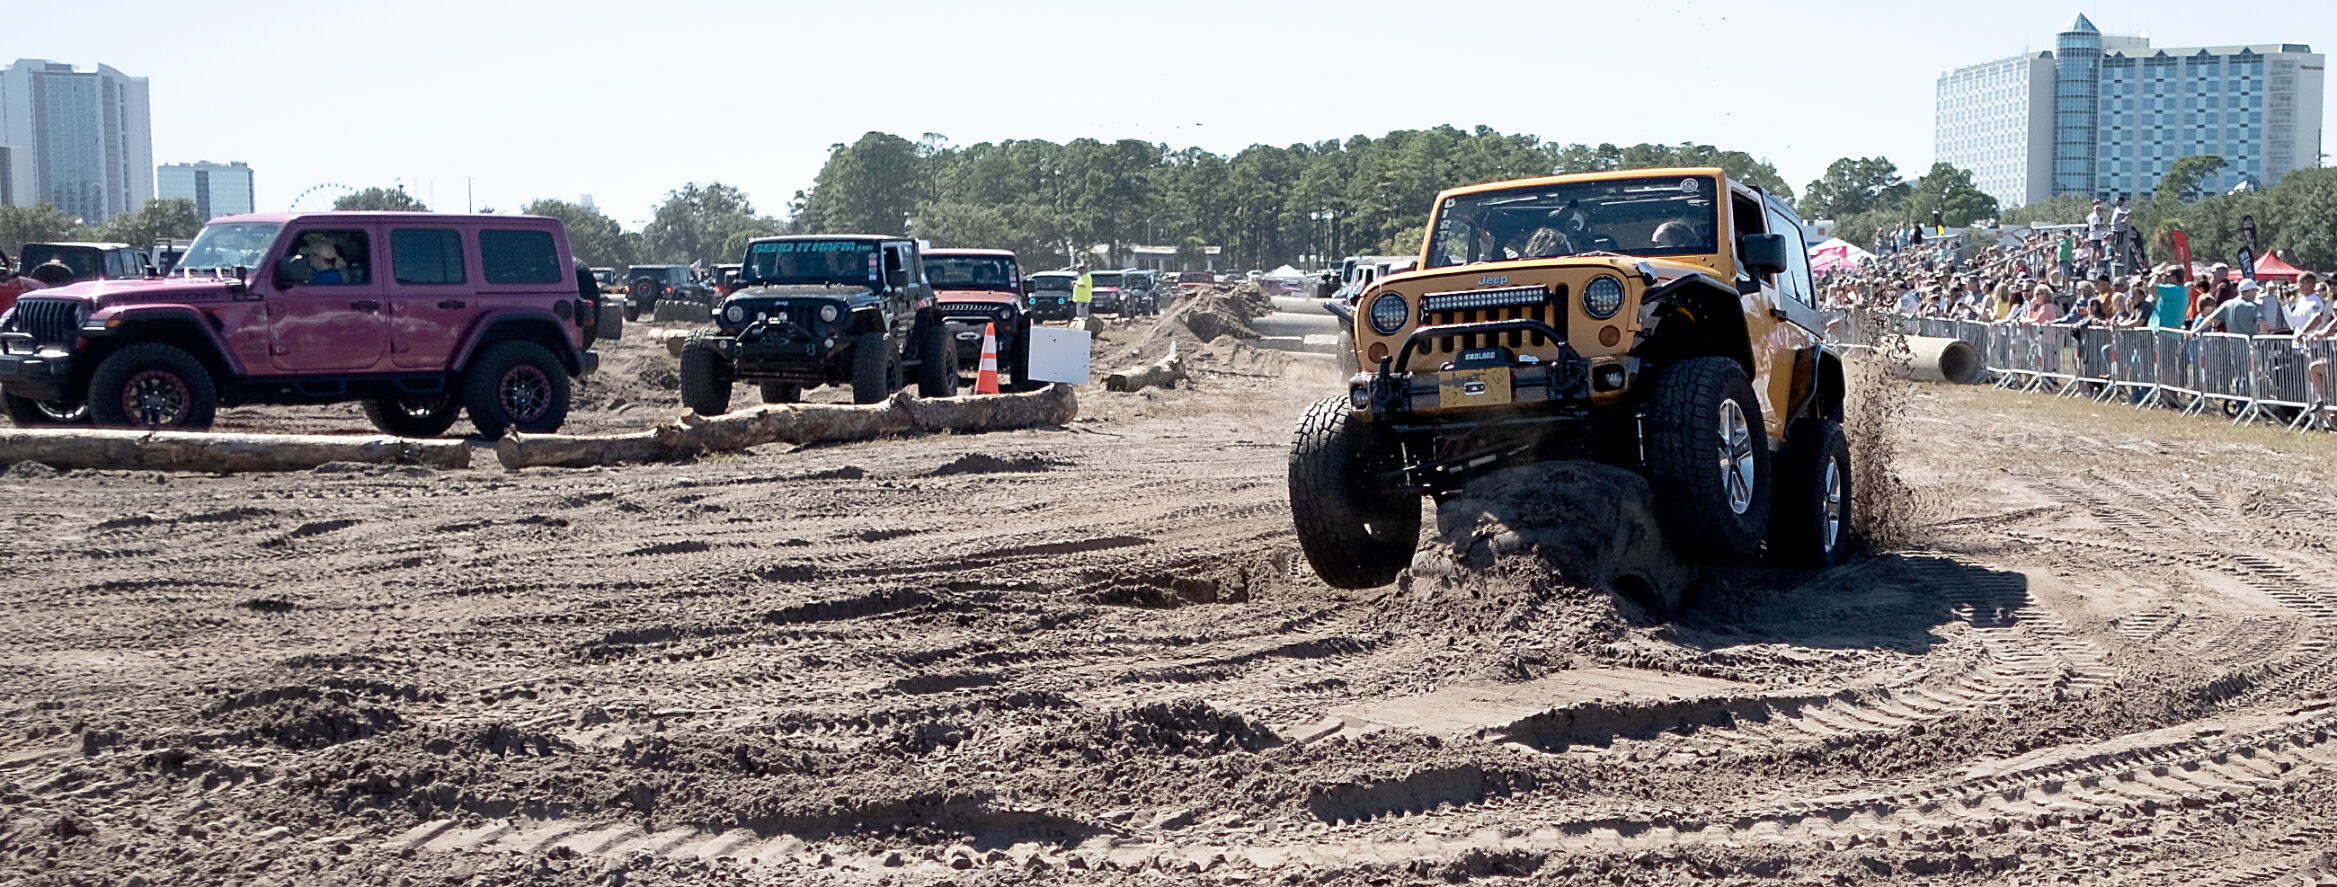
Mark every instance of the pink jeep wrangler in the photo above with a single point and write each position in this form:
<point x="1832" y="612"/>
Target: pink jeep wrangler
<point x="416" y="315"/>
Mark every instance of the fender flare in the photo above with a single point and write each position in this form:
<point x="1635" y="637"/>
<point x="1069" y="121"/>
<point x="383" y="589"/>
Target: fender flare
<point x="538" y="321"/>
<point x="209" y="348"/>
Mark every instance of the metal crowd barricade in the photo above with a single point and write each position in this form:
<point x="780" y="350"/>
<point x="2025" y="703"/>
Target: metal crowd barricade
<point x="2053" y="364"/>
<point x="2091" y="363"/>
<point x="2225" y="372"/>
<point x="2134" y="358"/>
<point x="2014" y="355"/>
<point x="2320" y="353"/>
<point x="2173" y="382"/>
<point x="2277" y="381"/>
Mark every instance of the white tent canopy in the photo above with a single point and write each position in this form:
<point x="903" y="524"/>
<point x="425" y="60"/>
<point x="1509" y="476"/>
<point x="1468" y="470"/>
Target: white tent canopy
<point x="1286" y="271"/>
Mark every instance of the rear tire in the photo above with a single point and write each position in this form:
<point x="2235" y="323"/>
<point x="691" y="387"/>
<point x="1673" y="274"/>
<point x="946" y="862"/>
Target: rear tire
<point x="937" y="365"/>
<point x="1810" y="514"/>
<point x="1355" y="534"/>
<point x="413" y="417"/>
<point x="516" y="384"/>
<point x="704" y="390"/>
<point x="152" y="385"/>
<point x="873" y="369"/>
<point x="782" y="392"/>
<point x="1708" y="460"/>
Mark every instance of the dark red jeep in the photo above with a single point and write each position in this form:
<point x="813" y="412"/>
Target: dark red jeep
<point x="417" y="315"/>
<point x="976" y="289"/>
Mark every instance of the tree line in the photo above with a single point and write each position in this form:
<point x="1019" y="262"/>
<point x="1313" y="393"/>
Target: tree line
<point x="1266" y="205"/>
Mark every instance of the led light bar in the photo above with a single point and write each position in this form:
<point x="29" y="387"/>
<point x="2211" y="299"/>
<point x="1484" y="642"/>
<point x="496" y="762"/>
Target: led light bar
<point x="1465" y="300"/>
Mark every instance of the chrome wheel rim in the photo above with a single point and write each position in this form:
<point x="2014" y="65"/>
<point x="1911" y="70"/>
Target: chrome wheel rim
<point x="62" y="411"/>
<point x="1833" y="525"/>
<point x="156" y="398"/>
<point x="1736" y="456"/>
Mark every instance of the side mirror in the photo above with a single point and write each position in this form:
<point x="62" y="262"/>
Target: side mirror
<point x="1763" y="253"/>
<point x="280" y="282"/>
<point x="896" y="278"/>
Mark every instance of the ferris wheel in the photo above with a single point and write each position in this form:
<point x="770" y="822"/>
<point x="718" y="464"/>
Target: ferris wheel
<point x="325" y="193"/>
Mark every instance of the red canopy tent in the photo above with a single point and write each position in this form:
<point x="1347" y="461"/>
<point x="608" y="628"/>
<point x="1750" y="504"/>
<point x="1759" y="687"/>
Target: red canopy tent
<point x="2270" y="267"/>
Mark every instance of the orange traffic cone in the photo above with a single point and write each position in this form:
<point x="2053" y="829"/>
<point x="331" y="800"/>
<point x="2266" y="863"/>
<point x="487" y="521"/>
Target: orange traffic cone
<point x="986" y="378"/>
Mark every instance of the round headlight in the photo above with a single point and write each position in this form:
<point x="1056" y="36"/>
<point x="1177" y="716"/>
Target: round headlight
<point x="828" y="313"/>
<point x="1388" y="313"/>
<point x="735" y="314"/>
<point x="1603" y="297"/>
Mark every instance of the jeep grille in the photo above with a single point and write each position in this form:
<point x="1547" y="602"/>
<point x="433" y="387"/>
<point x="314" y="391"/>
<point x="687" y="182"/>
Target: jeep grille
<point x="50" y="321"/>
<point x="968" y="309"/>
<point x="1550" y="311"/>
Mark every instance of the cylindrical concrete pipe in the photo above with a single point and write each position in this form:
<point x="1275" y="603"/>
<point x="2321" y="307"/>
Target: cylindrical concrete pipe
<point x="1946" y="360"/>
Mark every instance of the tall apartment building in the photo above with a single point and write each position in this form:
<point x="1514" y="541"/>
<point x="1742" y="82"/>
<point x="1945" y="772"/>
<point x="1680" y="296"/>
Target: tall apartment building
<point x="2107" y="114"/>
<point x="218" y="189"/>
<point x="83" y="137"/>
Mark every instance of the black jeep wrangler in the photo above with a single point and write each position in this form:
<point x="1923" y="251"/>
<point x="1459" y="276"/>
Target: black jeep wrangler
<point x="822" y="310"/>
<point x="650" y="284"/>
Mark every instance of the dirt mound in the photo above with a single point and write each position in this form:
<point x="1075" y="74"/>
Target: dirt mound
<point x="984" y="463"/>
<point x="1217" y="314"/>
<point x="1584" y="524"/>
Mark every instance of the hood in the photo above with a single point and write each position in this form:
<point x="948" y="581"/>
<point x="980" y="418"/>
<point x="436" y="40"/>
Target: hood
<point x="102" y="294"/>
<point x="797" y="291"/>
<point x="1000" y="297"/>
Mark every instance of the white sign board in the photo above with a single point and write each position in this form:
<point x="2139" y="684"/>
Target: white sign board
<point x="1059" y="355"/>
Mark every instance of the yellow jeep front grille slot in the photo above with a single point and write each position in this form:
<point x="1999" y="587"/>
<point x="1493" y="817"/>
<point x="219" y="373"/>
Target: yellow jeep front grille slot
<point x="1545" y="311"/>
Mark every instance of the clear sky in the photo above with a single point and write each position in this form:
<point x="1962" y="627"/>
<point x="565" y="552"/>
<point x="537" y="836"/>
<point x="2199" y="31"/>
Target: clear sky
<point x="626" y="101"/>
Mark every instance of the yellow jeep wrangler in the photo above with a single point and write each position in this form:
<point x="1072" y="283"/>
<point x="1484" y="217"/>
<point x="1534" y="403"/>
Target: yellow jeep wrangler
<point x="1664" y="320"/>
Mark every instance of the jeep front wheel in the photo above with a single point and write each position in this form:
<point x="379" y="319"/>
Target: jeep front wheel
<point x="152" y="385"/>
<point x="1019" y="357"/>
<point x="873" y="369"/>
<point x="516" y="384"/>
<point x="29" y="413"/>
<point x="413" y="416"/>
<point x="704" y="390"/>
<point x="1809" y="526"/>
<point x="937" y="367"/>
<point x="1355" y="532"/>
<point x="1708" y="459"/>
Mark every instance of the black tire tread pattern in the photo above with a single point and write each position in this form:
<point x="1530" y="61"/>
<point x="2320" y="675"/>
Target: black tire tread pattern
<point x="1798" y="498"/>
<point x="704" y="390"/>
<point x="872" y="369"/>
<point x="105" y="384"/>
<point x="1332" y="512"/>
<point x="937" y="362"/>
<point x="1690" y="499"/>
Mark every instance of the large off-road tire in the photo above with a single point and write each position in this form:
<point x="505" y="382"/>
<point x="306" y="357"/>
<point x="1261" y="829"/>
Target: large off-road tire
<point x="1708" y="460"/>
<point x="413" y="416"/>
<point x="782" y="392"/>
<point x="29" y="413"/>
<point x="937" y="364"/>
<point x="518" y="384"/>
<point x="1355" y="532"/>
<point x="1019" y="358"/>
<point x="875" y="369"/>
<point x="704" y="390"/>
<point x="152" y="385"/>
<point x="1810" y="511"/>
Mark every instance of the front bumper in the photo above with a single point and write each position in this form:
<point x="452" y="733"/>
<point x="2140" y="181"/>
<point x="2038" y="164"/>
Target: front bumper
<point x="40" y="375"/>
<point x="1052" y="309"/>
<point x="1520" y="387"/>
<point x="774" y="356"/>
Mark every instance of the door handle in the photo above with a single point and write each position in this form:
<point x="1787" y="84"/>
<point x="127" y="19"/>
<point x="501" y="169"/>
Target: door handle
<point x="451" y="304"/>
<point x="366" y="305"/>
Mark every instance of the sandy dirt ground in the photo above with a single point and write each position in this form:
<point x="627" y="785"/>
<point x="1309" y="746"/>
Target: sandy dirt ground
<point x="2102" y="654"/>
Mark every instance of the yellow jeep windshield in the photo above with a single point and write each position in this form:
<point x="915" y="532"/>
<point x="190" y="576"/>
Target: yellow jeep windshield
<point x="1657" y="216"/>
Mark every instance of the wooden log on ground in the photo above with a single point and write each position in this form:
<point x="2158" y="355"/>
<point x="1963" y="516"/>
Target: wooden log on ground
<point x="219" y="452"/>
<point x="798" y="424"/>
<point x="1168" y="373"/>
